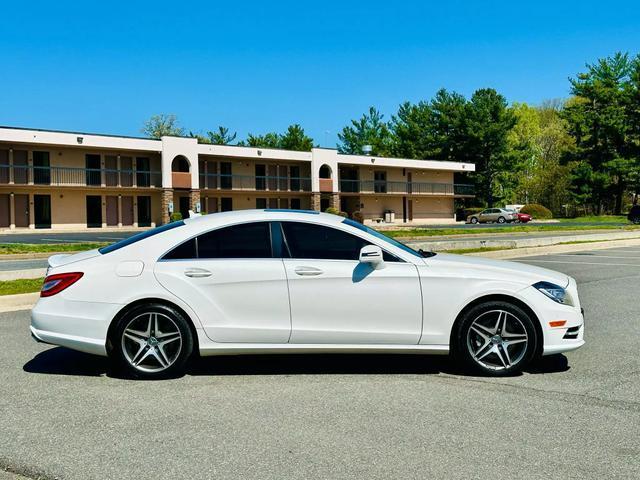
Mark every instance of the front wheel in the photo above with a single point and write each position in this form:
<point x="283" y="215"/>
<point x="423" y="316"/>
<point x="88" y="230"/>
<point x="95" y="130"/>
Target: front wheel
<point x="152" y="341"/>
<point x="495" y="338"/>
<point x="474" y="220"/>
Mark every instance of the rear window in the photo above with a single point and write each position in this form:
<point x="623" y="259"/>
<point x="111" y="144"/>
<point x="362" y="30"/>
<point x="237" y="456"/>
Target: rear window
<point x="139" y="236"/>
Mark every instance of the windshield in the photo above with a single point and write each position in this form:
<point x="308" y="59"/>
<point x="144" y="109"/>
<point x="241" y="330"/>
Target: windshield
<point x="395" y="243"/>
<point x="140" y="236"/>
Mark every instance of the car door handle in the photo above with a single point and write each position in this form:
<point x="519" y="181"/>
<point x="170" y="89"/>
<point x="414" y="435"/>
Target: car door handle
<point x="308" y="271"/>
<point x="197" y="272"/>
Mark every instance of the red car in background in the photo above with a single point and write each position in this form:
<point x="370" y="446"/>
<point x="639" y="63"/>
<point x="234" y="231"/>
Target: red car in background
<point x="524" y="217"/>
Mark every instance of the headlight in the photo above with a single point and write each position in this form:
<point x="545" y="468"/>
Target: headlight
<point x="554" y="292"/>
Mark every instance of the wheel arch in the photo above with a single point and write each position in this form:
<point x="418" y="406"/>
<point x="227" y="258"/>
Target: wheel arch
<point x="503" y="298"/>
<point x="162" y="301"/>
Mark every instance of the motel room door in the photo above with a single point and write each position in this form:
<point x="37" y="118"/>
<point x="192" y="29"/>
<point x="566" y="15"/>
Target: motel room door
<point x="94" y="211"/>
<point x="112" y="211"/>
<point x="42" y="211"/>
<point x="21" y="209"/>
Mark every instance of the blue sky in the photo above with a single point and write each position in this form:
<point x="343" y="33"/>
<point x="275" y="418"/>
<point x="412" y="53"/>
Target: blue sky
<point x="258" y="66"/>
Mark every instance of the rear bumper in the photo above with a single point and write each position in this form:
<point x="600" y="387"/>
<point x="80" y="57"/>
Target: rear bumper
<point x="80" y="326"/>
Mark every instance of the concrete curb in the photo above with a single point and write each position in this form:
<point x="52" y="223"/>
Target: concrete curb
<point x="442" y="246"/>
<point x="551" y="249"/>
<point x="18" y="274"/>
<point x="31" y="256"/>
<point x="23" y="301"/>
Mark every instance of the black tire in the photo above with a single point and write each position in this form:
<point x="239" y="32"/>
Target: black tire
<point x="169" y="356"/>
<point x="636" y="220"/>
<point x="465" y="339"/>
<point x="501" y="220"/>
<point x="474" y="220"/>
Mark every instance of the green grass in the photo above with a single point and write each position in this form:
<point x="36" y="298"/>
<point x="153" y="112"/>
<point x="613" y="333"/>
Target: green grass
<point x="597" y="218"/>
<point x="24" y="285"/>
<point x="12" y="248"/>
<point x="432" y="232"/>
<point x="464" y="251"/>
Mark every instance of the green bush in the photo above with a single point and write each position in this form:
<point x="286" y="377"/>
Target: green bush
<point x="175" y="216"/>
<point x="335" y="211"/>
<point x="538" y="212"/>
<point x="357" y="216"/>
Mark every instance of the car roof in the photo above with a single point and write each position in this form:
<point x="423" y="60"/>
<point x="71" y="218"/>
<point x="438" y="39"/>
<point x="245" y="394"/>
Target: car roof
<point x="264" y="214"/>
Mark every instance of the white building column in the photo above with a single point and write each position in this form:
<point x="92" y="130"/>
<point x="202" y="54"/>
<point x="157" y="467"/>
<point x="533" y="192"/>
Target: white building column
<point x="32" y="216"/>
<point x="12" y="211"/>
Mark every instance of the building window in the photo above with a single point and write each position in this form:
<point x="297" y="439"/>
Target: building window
<point x="41" y="168"/>
<point x="295" y="203"/>
<point x="261" y="203"/>
<point x="380" y="181"/>
<point x="226" y="180"/>
<point x="261" y="177"/>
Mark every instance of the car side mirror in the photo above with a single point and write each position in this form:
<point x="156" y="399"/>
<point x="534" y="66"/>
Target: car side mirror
<point x="372" y="254"/>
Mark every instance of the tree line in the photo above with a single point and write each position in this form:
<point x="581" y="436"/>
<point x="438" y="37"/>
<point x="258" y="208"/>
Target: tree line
<point x="575" y="156"/>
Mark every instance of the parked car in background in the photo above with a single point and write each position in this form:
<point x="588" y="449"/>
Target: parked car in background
<point x="524" y="217"/>
<point x="634" y="214"/>
<point x="284" y="281"/>
<point x="499" y="215"/>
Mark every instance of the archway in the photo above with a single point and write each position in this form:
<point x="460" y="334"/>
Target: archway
<point x="325" y="171"/>
<point x="180" y="164"/>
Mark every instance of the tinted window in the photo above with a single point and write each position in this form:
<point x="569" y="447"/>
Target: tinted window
<point x="248" y="240"/>
<point x="306" y="240"/>
<point x="183" y="251"/>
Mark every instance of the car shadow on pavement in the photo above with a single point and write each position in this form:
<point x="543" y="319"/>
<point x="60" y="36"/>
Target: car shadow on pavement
<point x="62" y="361"/>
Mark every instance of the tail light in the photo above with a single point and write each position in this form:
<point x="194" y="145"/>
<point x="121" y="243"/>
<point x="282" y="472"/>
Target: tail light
<point x="56" y="283"/>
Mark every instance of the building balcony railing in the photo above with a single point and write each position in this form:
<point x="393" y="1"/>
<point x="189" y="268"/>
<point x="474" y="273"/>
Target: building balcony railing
<point x="79" y="177"/>
<point x="407" y="188"/>
<point x="255" y="183"/>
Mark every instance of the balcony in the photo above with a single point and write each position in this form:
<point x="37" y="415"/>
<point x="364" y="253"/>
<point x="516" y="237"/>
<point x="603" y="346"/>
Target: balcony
<point x="326" y="185"/>
<point x="181" y="179"/>
<point x="254" y="183"/>
<point x="406" y="188"/>
<point x="78" y="177"/>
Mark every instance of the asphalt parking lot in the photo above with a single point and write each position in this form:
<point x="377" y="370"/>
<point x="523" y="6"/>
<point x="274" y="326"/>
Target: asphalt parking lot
<point x="576" y="416"/>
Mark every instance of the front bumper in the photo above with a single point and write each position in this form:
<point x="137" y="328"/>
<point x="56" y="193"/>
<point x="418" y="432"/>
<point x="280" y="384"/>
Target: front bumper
<point x="80" y="326"/>
<point x="566" y="338"/>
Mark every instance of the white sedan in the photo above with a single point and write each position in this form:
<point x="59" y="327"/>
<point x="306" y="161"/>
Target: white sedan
<point x="280" y="281"/>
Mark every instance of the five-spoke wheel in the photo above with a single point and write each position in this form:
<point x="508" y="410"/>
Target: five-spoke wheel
<point x="495" y="338"/>
<point x="152" y="341"/>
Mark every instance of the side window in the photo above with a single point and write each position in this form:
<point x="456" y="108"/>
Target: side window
<point x="183" y="251"/>
<point x="306" y="240"/>
<point x="247" y="240"/>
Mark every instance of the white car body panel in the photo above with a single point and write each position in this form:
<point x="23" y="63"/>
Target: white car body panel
<point x="242" y="301"/>
<point x="263" y="306"/>
<point x="345" y="301"/>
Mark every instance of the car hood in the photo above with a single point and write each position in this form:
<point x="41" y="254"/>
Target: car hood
<point x="67" y="258"/>
<point x="498" y="269"/>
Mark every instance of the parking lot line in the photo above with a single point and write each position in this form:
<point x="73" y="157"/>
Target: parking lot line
<point x="566" y="262"/>
<point x="590" y="255"/>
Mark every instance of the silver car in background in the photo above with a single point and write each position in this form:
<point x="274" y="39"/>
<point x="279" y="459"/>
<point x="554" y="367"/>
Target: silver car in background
<point x="499" y="215"/>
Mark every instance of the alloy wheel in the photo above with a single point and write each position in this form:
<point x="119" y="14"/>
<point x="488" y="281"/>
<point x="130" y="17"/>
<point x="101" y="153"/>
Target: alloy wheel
<point x="497" y="340"/>
<point x="151" y="342"/>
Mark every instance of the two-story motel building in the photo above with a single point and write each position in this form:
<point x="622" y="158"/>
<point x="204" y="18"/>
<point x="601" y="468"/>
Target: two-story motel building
<point x="66" y="180"/>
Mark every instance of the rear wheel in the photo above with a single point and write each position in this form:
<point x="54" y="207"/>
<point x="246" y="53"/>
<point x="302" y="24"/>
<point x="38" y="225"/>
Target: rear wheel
<point x="501" y="220"/>
<point x="152" y="341"/>
<point x="495" y="338"/>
